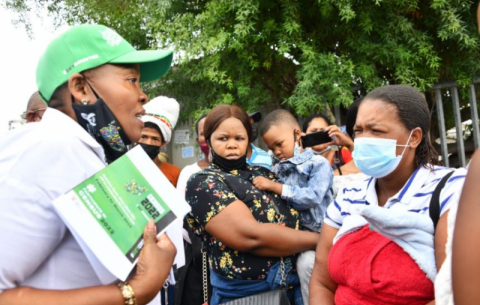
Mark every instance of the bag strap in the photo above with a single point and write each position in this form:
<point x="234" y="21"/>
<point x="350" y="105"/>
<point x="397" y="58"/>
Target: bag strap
<point x="434" y="208"/>
<point x="204" y="275"/>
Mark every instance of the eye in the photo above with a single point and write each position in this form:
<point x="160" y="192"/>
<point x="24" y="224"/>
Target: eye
<point x="279" y="144"/>
<point x="133" y="80"/>
<point x="240" y="138"/>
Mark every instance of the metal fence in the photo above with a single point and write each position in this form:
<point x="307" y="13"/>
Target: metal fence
<point x="451" y="88"/>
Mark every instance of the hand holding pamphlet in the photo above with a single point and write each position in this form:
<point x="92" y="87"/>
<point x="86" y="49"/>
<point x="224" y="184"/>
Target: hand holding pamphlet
<point x="108" y="212"/>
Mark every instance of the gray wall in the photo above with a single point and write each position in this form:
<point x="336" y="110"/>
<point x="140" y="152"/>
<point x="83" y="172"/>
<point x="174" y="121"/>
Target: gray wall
<point x="174" y="150"/>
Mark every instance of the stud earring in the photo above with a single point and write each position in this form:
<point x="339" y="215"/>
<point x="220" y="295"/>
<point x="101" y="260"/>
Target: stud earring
<point x="84" y="102"/>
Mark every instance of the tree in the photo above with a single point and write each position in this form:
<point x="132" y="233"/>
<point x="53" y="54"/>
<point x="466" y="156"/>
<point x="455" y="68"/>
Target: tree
<point x="277" y="53"/>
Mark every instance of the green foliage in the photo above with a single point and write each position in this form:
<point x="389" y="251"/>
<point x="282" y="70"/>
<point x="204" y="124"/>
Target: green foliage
<point x="288" y="53"/>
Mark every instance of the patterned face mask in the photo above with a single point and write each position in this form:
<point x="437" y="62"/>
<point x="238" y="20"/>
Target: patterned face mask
<point x="100" y="122"/>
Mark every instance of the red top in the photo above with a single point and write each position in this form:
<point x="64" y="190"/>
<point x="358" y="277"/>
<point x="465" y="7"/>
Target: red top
<point x="346" y="155"/>
<point x="370" y="269"/>
<point x="171" y="172"/>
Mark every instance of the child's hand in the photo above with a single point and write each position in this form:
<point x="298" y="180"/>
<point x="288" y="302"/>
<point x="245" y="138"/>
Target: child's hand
<point x="263" y="183"/>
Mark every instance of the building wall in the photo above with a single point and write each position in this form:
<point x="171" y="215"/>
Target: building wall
<point x="174" y="149"/>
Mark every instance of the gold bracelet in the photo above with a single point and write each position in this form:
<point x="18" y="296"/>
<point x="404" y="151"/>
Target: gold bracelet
<point x="127" y="293"/>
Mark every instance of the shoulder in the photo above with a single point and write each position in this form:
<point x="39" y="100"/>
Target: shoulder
<point x="437" y="173"/>
<point x="356" y="187"/>
<point x="319" y="160"/>
<point x="170" y="167"/>
<point x="189" y="170"/>
<point x="263" y="172"/>
<point x="347" y="182"/>
<point x="318" y="164"/>
<point x="208" y="174"/>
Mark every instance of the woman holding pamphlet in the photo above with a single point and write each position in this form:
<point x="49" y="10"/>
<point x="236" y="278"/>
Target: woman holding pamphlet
<point x="89" y="78"/>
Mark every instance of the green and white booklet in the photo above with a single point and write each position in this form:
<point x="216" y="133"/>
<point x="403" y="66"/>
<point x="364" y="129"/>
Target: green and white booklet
<point x="108" y="212"/>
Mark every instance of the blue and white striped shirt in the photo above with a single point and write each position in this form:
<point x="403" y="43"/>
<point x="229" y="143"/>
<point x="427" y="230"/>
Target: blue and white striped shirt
<point x="413" y="197"/>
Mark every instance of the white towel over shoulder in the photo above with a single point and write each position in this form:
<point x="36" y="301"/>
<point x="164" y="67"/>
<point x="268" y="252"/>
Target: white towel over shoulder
<point x="411" y="231"/>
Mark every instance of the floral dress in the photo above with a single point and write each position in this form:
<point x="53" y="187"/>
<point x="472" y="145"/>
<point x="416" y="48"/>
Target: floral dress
<point x="212" y="190"/>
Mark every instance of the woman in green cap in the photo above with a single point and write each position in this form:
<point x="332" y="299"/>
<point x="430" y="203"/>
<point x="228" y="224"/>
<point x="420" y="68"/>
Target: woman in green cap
<point x="89" y="77"/>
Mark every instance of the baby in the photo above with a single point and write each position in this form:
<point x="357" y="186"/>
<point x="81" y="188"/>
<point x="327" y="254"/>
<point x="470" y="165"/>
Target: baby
<point x="306" y="180"/>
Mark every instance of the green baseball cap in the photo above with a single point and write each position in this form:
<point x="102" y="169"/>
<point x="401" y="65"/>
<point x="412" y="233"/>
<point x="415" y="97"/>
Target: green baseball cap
<point x="89" y="46"/>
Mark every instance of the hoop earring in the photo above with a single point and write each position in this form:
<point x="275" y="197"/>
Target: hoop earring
<point x="84" y="102"/>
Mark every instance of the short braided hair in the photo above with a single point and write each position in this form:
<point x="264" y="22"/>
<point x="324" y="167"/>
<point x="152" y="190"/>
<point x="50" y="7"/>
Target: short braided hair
<point x="413" y="112"/>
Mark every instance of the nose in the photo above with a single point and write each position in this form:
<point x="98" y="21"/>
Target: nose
<point x="277" y="152"/>
<point x="143" y="98"/>
<point x="232" y="144"/>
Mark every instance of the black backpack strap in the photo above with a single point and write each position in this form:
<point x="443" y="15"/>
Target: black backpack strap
<point x="434" y="208"/>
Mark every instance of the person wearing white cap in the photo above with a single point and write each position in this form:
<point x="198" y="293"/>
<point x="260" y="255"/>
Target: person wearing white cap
<point x="161" y="116"/>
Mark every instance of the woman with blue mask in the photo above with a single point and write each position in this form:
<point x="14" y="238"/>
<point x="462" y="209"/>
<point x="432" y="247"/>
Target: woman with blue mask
<point x="379" y="243"/>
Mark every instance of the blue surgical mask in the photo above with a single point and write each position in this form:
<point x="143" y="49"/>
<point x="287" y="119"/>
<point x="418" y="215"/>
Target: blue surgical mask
<point x="377" y="157"/>
<point x="322" y="151"/>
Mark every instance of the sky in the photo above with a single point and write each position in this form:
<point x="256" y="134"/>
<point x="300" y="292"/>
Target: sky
<point x="20" y="56"/>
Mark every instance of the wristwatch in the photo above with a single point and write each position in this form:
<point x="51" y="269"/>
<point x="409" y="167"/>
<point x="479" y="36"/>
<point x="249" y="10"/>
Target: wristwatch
<point x="127" y="292"/>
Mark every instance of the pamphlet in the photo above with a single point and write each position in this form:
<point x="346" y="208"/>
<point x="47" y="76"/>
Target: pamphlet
<point x="108" y="212"/>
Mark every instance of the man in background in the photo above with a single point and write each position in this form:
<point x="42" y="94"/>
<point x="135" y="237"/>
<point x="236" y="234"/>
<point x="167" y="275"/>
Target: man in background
<point x="161" y="116"/>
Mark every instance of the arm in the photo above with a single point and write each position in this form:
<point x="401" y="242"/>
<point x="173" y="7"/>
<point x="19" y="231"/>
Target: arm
<point x="265" y="184"/>
<point x="319" y="183"/>
<point x="441" y="240"/>
<point x="235" y="227"/>
<point x="466" y="241"/>
<point x="152" y="270"/>
<point x="322" y="287"/>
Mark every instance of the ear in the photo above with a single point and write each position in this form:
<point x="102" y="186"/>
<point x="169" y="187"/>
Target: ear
<point x="78" y="88"/>
<point x="298" y="135"/>
<point x="416" y="137"/>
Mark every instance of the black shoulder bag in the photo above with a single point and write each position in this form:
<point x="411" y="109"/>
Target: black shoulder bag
<point x="434" y="208"/>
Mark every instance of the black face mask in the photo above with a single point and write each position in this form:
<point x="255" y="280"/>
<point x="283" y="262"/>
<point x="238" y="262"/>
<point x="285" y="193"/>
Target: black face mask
<point x="151" y="150"/>
<point x="100" y="122"/>
<point x="254" y="132"/>
<point x="229" y="165"/>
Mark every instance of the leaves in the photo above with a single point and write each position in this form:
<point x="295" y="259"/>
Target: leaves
<point x="303" y="55"/>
